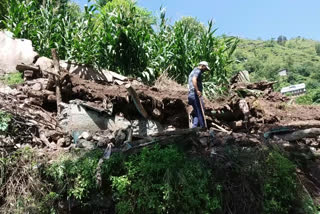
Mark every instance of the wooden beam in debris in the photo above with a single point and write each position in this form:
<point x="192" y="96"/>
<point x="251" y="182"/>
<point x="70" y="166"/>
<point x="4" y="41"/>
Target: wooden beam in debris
<point x="136" y="100"/>
<point x="300" y="134"/>
<point x="108" y="75"/>
<point x="303" y="124"/>
<point x="118" y="76"/>
<point x="57" y="78"/>
<point x="164" y="138"/>
<point x="23" y="67"/>
<point x="220" y="128"/>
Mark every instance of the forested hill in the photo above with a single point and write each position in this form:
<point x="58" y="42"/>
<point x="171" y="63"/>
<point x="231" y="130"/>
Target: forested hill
<point x="299" y="56"/>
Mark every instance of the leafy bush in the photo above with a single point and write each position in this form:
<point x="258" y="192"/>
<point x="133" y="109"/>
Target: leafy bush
<point x="311" y="97"/>
<point x="317" y="47"/>
<point x="164" y="181"/>
<point x="157" y="180"/>
<point x="280" y="190"/>
<point x="74" y="175"/>
<point x="5" y="119"/>
<point x="256" y="180"/>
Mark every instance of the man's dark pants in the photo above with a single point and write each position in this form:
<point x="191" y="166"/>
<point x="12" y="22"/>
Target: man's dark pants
<point x="198" y="120"/>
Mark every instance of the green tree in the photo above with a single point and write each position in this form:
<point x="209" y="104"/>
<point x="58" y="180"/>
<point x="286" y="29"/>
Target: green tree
<point x="317" y="47"/>
<point x="316" y="96"/>
<point x="282" y="40"/>
<point x="193" y="25"/>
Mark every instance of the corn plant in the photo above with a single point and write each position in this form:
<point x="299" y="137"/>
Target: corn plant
<point x="123" y="37"/>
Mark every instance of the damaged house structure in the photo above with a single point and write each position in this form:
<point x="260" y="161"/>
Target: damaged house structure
<point x="294" y="89"/>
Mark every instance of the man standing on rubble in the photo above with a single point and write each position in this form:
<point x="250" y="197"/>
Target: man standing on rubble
<point x="195" y="93"/>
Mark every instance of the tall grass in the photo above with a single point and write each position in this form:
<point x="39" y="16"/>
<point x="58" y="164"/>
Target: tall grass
<point x="123" y="37"/>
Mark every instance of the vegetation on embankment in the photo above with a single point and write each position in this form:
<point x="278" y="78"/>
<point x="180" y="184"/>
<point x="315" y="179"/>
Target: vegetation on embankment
<point x="158" y="180"/>
<point x="299" y="56"/>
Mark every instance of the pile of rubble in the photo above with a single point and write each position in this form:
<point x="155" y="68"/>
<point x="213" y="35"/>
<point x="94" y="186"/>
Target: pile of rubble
<point x="97" y="108"/>
<point x="62" y="104"/>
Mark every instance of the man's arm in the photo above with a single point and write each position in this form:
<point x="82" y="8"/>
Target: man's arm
<point x="195" y="85"/>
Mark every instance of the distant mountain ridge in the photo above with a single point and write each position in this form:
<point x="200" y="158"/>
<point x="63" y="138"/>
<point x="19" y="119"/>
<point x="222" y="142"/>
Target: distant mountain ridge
<point x="265" y="59"/>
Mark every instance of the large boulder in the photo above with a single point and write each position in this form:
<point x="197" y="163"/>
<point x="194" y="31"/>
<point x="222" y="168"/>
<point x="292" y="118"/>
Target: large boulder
<point x="13" y="52"/>
<point x="45" y="64"/>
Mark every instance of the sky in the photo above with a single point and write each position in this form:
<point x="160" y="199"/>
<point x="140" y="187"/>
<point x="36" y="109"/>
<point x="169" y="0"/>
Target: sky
<point x="251" y="19"/>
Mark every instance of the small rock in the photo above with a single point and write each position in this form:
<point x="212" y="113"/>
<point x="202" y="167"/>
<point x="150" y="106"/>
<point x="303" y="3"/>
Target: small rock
<point x="103" y="142"/>
<point x="170" y="128"/>
<point x="120" y="137"/>
<point x="314" y="144"/>
<point x="22" y="96"/>
<point x="204" y="141"/>
<point x="86" y="144"/>
<point x="156" y="113"/>
<point x="313" y="149"/>
<point x="286" y="145"/>
<point x="28" y="74"/>
<point x="238" y="123"/>
<point x="37" y="87"/>
<point x="86" y="136"/>
<point x="52" y="98"/>
<point x="97" y="138"/>
<point x="45" y="64"/>
<point x="213" y="152"/>
<point x="61" y="142"/>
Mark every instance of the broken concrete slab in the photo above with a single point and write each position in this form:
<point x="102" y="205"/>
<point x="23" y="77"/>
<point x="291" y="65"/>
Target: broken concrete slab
<point x="146" y="127"/>
<point x="14" y="51"/>
<point x="78" y="117"/>
<point x="84" y="144"/>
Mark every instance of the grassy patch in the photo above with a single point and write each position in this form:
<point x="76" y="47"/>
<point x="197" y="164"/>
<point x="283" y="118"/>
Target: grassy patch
<point x="5" y="119"/>
<point x="12" y="78"/>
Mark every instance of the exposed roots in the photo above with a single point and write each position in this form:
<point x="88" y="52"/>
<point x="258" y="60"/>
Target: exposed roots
<point x="21" y="186"/>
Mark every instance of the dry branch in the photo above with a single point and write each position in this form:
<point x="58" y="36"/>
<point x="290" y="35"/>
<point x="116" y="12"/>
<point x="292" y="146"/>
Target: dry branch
<point x="57" y="79"/>
<point x="221" y="128"/>
<point x="136" y="101"/>
<point x="300" y="134"/>
<point x="303" y="124"/>
<point x="23" y="67"/>
<point x="164" y="138"/>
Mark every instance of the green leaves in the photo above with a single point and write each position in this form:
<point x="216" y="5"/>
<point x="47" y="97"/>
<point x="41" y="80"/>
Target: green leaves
<point x="120" y="36"/>
<point x="163" y="180"/>
<point x="280" y="186"/>
<point x="4" y="121"/>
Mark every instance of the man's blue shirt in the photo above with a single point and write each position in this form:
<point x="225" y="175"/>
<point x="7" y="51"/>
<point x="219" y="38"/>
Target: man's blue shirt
<point x="195" y="73"/>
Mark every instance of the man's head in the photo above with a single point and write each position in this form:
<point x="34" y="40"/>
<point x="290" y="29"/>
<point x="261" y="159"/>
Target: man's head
<point x="204" y="66"/>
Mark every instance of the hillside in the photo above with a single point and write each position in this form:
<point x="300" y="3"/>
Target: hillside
<point x="95" y="115"/>
<point x="264" y="59"/>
